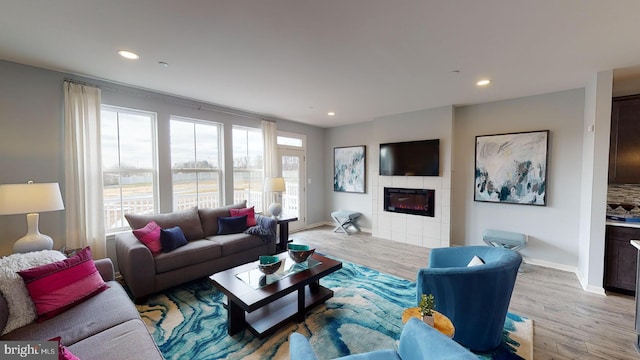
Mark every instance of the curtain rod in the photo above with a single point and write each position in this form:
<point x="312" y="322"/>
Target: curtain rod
<point x="78" y="82"/>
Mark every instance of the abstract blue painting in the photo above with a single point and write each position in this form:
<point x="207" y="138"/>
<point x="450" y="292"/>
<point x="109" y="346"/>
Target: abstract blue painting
<point x="349" y="169"/>
<point x="512" y="168"/>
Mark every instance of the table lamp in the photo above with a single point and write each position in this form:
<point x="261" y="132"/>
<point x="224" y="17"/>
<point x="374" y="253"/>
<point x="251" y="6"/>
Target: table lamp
<point x="274" y="185"/>
<point x="30" y="199"/>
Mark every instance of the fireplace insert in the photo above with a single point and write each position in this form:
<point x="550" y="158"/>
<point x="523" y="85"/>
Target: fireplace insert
<point x="410" y="201"/>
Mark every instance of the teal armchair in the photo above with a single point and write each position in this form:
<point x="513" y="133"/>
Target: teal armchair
<point x="475" y="299"/>
<point x="418" y="341"/>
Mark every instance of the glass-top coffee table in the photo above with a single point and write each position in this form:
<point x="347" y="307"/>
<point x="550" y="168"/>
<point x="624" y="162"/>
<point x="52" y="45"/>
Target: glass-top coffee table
<point x="264" y="303"/>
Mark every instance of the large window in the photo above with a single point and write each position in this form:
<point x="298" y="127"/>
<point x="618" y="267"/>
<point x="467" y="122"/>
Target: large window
<point x="129" y="167"/>
<point x="195" y="163"/>
<point x="248" y="175"/>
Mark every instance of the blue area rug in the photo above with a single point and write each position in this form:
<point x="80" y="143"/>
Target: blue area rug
<point x="189" y="321"/>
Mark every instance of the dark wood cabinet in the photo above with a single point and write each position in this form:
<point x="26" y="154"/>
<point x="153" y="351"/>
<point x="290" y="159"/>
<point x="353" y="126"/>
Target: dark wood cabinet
<point x="620" y="259"/>
<point x="624" y="152"/>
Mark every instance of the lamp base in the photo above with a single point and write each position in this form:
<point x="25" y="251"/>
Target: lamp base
<point x="28" y="243"/>
<point x="275" y="210"/>
<point x="33" y="240"/>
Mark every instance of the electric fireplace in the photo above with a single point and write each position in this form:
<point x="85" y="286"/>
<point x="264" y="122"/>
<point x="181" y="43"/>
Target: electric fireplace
<point x="409" y="201"/>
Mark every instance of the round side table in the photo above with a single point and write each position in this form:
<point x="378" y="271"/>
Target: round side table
<point x="440" y="322"/>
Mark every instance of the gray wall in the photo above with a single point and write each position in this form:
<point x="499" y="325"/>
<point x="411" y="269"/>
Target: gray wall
<point x="553" y="229"/>
<point x="352" y="135"/>
<point x="31" y="139"/>
<point x="31" y="133"/>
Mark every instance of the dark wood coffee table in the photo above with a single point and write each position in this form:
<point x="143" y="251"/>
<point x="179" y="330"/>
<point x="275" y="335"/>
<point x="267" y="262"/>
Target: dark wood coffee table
<point x="263" y="310"/>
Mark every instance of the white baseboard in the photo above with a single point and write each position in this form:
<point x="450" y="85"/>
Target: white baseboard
<point x="311" y="226"/>
<point x="329" y="223"/>
<point x="586" y="287"/>
<point x="590" y="288"/>
<point x="549" y="264"/>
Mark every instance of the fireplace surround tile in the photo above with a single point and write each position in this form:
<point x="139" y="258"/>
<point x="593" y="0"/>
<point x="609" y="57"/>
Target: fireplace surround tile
<point x="435" y="231"/>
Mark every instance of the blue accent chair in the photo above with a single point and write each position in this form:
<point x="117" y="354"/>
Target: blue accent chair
<point x="418" y="341"/>
<point x="476" y="298"/>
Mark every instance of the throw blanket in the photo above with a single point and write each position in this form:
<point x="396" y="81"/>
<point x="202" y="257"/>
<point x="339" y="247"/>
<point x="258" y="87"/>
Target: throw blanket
<point x="22" y="311"/>
<point x="265" y="228"/>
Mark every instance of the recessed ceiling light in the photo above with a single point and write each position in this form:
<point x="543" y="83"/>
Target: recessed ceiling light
<point x="163" y="64"/>
<point x="128" y="55"/>
<point x="331" y="113"/>
<point x="484" y="82"/>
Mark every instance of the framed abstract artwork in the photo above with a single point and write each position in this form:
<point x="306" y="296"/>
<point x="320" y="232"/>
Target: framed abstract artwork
<point x="349" y="169"/>
<point x="512" y="168"/>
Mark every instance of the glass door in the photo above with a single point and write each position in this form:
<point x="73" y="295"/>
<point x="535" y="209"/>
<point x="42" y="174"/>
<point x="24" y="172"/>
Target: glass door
<point x="293" y="198"/>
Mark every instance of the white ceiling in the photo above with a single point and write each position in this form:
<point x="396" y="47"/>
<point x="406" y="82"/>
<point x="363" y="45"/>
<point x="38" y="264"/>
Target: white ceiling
<point x="299" y="59"/>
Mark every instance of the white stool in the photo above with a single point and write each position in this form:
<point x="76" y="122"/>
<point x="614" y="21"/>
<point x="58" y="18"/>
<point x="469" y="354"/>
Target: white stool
<point x="506" y="239"/>
<point x="345" y="219"/>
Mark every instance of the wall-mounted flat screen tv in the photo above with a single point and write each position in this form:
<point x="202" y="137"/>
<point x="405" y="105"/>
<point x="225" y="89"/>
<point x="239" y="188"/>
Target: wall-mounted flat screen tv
<point x="410" y="158"/>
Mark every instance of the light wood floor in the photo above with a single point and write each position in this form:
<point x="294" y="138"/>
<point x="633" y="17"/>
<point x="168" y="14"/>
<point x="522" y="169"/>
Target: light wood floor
<point x="568" y="322"/>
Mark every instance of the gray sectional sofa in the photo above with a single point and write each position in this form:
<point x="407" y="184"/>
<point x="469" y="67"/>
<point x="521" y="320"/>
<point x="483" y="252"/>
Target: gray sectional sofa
<point x="205" y="253"/>
<point x="104" y="327"/>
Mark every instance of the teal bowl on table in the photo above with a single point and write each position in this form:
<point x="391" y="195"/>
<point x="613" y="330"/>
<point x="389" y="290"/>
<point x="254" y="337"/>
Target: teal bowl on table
<point x="269" y="264"/>
<point x="299" y="252"/>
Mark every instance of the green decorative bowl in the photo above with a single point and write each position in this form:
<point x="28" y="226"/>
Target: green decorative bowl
<point x="299" y="252"/>
<point x="269" y="264"/>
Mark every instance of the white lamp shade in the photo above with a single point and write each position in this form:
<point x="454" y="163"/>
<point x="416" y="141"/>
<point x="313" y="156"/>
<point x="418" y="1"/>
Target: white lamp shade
<point x="30" y="198"/>
<point x="274" y="184"/>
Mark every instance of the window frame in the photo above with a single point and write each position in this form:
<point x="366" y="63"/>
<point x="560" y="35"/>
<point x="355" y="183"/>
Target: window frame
<point x="290" y="135"/>
<point x="219" y="171"/>
<point x="154" y="170"/>
<point x="248" y="170"/>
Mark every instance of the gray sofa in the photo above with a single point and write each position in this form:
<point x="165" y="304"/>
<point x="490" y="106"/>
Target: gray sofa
<point x="204" y="254"/>
<point x="103" y="327"/>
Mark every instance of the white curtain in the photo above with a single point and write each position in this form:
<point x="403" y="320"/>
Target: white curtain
<point x="270" y="142"/>
<point x="83" y="169"/>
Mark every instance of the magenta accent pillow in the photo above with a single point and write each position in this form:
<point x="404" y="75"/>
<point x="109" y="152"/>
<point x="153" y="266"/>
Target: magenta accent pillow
<point x="58" y="286"/>
<point x="63" y="352"/>
<point x="250" y="212"/>
<point x="150" y="236"/>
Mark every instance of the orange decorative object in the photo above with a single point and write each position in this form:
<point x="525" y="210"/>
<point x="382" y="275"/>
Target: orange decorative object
<point x="441" y="322"/>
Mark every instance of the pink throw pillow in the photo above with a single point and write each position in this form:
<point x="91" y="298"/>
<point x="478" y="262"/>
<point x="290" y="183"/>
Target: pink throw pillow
<point x="58" y="286"/>
<point x="63" y="352"/>
<point x="250" y="212"/>
<point x="149" y="235"/>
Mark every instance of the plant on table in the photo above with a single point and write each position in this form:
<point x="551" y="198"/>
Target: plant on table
<point x="426" y="305"/>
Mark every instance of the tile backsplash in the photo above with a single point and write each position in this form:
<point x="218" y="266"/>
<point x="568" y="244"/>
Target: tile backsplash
<point x="623" y="194"/>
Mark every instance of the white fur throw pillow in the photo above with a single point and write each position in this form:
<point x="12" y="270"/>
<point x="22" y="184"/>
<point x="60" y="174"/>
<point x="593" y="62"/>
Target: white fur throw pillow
<point x="21" y="308"/>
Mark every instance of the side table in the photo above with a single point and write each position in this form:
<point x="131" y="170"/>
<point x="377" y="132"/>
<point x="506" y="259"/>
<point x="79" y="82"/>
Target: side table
<point x="440" y="322"/>
<point x="283" y="229"/>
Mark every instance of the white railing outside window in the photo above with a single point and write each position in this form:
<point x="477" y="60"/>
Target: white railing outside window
<point x="114" y="209"/>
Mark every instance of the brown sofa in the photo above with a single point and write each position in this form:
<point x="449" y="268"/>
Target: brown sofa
<point x="103" y="327"/>
<point x="204" y="254"/>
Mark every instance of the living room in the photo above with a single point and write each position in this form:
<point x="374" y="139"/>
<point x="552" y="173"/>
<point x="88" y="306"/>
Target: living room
<point x="567" y="234"/>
